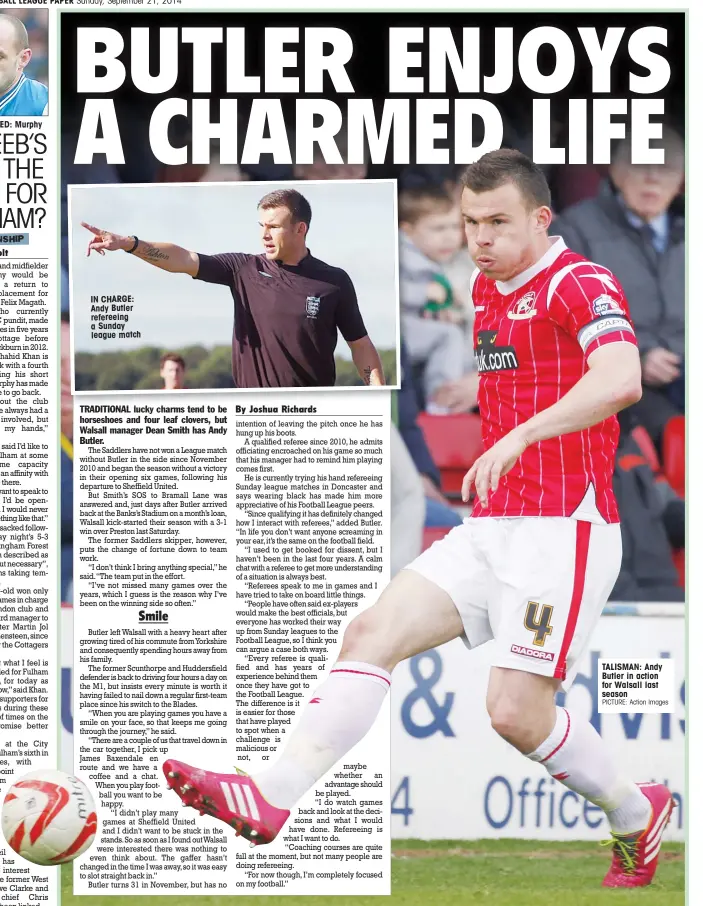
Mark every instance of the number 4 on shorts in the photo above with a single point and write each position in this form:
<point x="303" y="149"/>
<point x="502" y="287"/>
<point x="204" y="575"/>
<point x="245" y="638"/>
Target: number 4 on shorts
<point x="537" y="620"/>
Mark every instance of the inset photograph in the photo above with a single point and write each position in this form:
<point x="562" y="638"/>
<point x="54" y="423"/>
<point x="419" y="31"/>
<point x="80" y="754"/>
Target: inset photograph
<point x="24" y="62"/>
<point x="302" y="276"/>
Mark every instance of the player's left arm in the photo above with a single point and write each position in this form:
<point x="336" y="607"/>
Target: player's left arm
<point x="367" y="361"/>
<point x="601" y="324"/>
<point x="589" y="304"/>
<point x="613" y="382"/>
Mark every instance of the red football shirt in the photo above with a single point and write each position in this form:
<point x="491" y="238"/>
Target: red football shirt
<point x="532" y="337"/>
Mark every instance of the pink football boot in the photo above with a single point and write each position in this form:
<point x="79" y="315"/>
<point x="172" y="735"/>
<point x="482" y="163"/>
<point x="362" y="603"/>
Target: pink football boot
<point x="635" y="856"/>
<point x="233" y="798"/>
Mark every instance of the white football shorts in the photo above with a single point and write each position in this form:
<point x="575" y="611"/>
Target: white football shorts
<point x="537" y="585"/>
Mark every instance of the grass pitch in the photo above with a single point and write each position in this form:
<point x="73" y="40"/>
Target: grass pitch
<point x="470" y="873"/>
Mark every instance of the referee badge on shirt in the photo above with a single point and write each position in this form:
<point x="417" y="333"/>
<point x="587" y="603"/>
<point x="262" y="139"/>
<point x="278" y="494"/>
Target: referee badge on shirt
<point x="312" y="306"/>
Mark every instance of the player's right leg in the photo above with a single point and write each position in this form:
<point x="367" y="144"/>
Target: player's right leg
<point x="556" y="576"/>
<point x="412" y="615"/>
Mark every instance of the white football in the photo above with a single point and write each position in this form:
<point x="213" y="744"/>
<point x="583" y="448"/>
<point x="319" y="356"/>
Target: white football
<point x="49" y="817"/>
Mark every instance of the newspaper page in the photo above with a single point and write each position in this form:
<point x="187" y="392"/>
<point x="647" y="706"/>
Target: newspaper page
<point x="29" y="703"/>
<point x="287" y="327"/>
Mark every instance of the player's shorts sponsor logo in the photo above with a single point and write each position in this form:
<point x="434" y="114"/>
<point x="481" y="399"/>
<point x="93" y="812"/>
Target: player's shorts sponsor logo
<point x="490" y="357"/>
<point x="601" y="327"/>
<point x="606" y="305"/>
<point x="523" y="651"/>
<point x="525" y="307"/>
<point x="312" y="306"/>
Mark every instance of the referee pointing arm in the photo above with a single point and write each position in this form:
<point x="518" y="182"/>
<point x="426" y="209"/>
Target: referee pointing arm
<point x="288" y="305"/>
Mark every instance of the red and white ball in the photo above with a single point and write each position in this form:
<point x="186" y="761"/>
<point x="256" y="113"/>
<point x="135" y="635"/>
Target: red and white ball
<point x="49" y="817"/>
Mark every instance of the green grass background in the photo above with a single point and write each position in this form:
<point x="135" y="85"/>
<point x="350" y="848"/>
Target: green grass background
<point x="480" y="872"/>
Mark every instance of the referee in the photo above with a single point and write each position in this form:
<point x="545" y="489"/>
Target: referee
<point x="288" y="305"/>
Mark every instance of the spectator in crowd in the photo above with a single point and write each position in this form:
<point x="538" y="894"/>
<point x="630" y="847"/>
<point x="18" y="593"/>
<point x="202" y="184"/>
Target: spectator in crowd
<point x="572" y="183"/>
<point x="652" y="521"/>
<point x="635" y="227"/>
<point x="460" y="395"/>
<point x="432" y="176"/>
<point x="438" y="510"/>
<point x="430" y="237"/>
<point x="172" y="369"/>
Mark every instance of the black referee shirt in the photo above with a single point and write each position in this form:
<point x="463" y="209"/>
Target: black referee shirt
<point x="285" y="318"/>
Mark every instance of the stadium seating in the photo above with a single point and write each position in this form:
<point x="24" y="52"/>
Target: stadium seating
<point x="674" y="467"/>
<point x="641" y="437"/>
<point x="674" y="453"/>
<point x="455" y="443"/>
<point x="680" y="564"/>
<point x="673" y="470"/>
